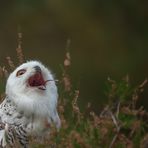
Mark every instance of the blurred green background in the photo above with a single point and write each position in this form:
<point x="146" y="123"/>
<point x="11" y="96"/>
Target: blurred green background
<point x="108" y="39"/>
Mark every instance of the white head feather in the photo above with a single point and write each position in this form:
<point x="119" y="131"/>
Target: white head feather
<point x="38" y="100"/>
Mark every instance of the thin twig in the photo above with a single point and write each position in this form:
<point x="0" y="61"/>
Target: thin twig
<point x="118" y="129"/>
<point x="113" y="141"/>
<point x="143" y="83"/>
<point x="118" y="109"/>
<point x="114" y="120"/>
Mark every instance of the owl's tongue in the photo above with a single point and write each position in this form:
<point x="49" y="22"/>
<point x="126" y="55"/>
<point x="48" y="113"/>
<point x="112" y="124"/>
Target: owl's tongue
<point x="36" y="80"/>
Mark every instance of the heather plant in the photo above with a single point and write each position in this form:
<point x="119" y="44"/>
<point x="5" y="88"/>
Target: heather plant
<point x="120" y="124"/>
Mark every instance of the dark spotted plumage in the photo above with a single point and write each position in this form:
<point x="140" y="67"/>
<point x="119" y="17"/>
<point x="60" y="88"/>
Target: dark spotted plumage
<point x="11" y="124"/>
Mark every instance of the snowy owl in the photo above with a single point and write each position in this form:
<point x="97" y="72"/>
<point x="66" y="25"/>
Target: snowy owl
<point x="30" y="104"/>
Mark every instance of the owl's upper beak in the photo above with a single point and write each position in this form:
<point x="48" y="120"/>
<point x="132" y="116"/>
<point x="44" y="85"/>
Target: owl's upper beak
<point x="37" y="69"/>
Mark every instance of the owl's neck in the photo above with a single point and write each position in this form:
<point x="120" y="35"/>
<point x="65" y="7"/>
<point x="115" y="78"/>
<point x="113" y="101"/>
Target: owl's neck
<point x="35" y="105"/>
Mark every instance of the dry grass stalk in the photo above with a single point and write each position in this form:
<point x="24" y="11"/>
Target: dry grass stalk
<point x="5" y="72"/>
<point x="10" y="63"/>
<point x="19" y="49"/>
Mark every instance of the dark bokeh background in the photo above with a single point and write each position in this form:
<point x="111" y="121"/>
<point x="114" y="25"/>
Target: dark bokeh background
<point x="108" y="38"/>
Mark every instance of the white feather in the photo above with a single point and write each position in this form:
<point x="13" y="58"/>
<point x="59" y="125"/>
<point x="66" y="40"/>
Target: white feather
<point x="2" y="138"/>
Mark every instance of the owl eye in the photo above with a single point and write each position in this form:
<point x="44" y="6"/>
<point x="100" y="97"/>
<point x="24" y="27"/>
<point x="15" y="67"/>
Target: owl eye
<point x="20" y="72"/>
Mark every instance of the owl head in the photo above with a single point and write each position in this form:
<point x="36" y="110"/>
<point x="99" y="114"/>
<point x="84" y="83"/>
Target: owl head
<point x="32" y="88"/>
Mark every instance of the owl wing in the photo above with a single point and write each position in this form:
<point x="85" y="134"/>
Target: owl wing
<point x="12" y="125"/>
<point x="8" y="112"/>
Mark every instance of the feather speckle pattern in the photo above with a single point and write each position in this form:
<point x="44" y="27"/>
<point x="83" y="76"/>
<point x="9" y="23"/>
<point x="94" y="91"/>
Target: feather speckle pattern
<point x="31" y="99"/>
